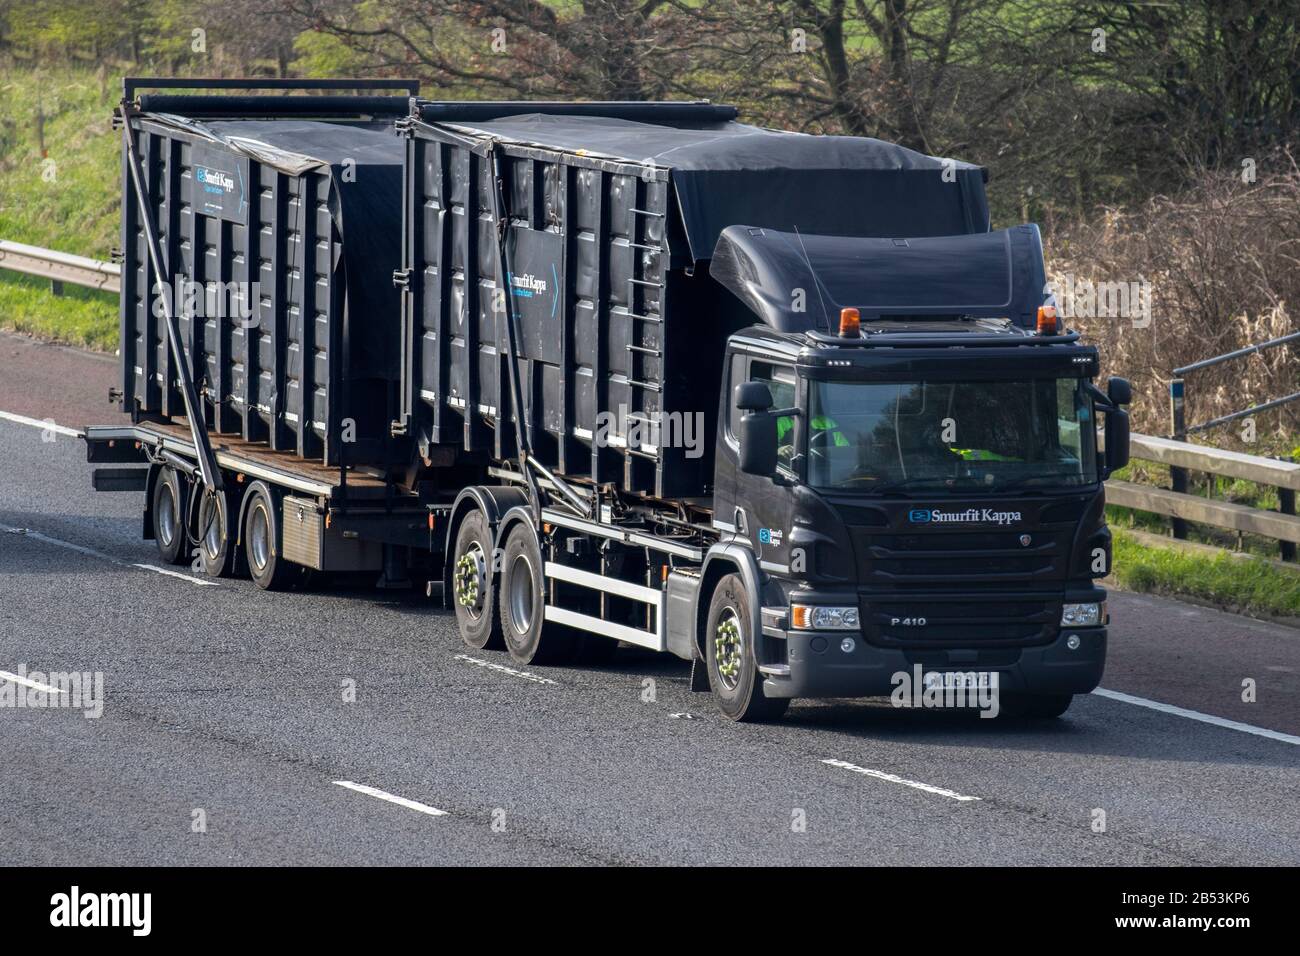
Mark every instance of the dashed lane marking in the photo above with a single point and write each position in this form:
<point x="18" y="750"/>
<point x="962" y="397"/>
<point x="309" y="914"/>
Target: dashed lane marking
<point x="48" y="425"/>
<point x="522" y="675"/>
<point x="92" y="553"/>
<point x="391" y="798"/>
<point x="894" y="778"/>
<point x="28" y="682"/>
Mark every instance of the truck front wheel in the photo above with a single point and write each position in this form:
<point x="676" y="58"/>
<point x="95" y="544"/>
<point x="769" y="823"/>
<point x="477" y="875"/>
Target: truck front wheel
<point x="472" y="584"/>
<point x="729" y="650"/>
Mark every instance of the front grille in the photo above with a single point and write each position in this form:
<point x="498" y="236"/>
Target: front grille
<point x="947" y="620"/>
<point x="929" y="586"/>
<point x="892" y="561"/>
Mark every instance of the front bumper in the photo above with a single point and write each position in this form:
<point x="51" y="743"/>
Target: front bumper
<point x="818" y="667"/>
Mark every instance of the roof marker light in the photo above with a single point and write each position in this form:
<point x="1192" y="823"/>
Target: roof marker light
<point x="1047" y="323"/>
<point x="850" y="322"/>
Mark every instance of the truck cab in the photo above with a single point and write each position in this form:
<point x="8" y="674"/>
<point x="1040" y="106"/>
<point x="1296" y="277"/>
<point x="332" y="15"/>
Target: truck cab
<point x="920" y="484"/>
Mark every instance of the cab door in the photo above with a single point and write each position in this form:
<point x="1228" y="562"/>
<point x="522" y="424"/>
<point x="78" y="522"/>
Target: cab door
<point x="763" y="505"/>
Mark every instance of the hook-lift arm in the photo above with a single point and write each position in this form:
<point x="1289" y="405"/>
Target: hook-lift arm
<point x="523" y="436"/>
<point x="208" y="469"/>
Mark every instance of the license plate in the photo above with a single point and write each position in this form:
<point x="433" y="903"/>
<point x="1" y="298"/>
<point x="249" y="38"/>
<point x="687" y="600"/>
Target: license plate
<point x="959" y="680"/>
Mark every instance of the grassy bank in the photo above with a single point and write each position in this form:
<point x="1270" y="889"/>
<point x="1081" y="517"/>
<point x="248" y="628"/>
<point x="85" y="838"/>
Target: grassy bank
<point x="81" y="317"/>
<point x="58" y="189"/>
<point x="1243" y="584"/>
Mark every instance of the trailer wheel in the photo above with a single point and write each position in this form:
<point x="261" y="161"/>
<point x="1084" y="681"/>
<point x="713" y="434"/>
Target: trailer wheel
<point x="261" y="536"/>
<point x="472" y="582"/>
<point x="733" y="673"/>
<point x="216" y="556"/>
<point x="167" y="512"/>
<point x="522" y="604"/>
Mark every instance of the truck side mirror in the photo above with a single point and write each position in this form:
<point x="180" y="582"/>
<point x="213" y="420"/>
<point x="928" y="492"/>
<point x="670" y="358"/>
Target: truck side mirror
<point x="1117" y="439"/>
<point x="753" y="397"/>
<point x="758" y="442"/>
<point x="1119" y="391"/>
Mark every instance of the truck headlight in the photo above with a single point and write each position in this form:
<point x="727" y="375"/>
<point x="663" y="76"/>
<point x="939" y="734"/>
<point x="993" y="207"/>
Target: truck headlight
<point x="1082" y="615"/>
<point x="807" y="617"/>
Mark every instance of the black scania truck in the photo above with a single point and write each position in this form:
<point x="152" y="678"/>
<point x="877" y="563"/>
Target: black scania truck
<point x="781" y="405"/>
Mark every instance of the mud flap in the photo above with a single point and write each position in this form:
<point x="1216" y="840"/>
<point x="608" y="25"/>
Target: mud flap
<point x="699" y="676"/>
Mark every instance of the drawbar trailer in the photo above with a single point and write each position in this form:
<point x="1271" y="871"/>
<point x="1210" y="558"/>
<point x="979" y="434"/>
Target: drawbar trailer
<point x="782" y="405"/>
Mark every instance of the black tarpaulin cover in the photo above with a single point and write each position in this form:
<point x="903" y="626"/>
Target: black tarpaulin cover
<point x="993" y="275"/>
<point x="366" y="169"/>
<point x="729" y="173"/>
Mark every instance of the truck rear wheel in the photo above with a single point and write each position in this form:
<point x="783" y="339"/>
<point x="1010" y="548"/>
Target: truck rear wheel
<point x="734" y="679"/>
<point x="472" y="582"/>
<point x="522" y="604"/>
<point x="261" y="537"/>
<point x="216" y="555"/>
<point x="167" y="513"/>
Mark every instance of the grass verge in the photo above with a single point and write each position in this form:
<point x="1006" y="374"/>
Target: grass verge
<point x="59" y="185"/>
<point x="81" y="317"/>
<point x="1242" y="584"/>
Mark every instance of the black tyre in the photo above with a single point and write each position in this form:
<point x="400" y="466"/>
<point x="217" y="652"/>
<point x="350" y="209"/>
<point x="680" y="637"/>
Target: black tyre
<point x="472" y="582"/>
<point x="734" y="679"/>
<point x="1034" y="706"/>
<point x="521" y="604"/>
<point x="168" y="509"/>
<point x="216" y="551"/>
<point x="261" y="540"/>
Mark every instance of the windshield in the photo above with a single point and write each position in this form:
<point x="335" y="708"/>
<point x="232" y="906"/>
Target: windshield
<point x="937" y="436"/>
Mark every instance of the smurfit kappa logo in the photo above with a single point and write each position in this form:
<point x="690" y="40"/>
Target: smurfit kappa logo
<point x="215" y="180"/>
<point x="969" y="516"/>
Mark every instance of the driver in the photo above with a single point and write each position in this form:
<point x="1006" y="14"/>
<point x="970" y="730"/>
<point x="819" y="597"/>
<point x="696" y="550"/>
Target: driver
<point x="820" y="425"/>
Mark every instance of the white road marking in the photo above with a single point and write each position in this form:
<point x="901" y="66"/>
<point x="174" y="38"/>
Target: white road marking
<point x="1197" y="715"/>
<point x="92" y="553"/>
<point x="28" y="682"/>
<point x="37" y="423"/>
<point x="893" y="778"/>
<point x="391" y="798"/>
<point x="503" y="669"/>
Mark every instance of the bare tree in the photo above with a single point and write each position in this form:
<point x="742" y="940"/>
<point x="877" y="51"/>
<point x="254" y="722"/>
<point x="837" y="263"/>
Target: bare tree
<point x="1211" y="81"/>
<point x="600" y="49"/>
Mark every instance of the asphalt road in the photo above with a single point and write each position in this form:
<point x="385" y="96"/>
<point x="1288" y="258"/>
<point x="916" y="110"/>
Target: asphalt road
<point x="230" y="701"/>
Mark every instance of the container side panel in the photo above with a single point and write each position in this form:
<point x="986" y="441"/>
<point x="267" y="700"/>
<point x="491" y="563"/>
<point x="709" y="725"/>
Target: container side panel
<point x="168" y="396"/>
<point x="491" y="402"/>
<point x="590" y="270"/>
